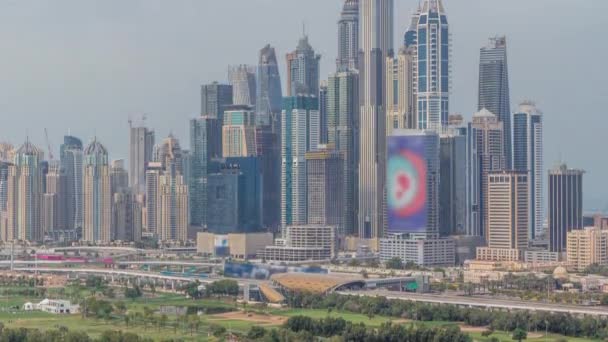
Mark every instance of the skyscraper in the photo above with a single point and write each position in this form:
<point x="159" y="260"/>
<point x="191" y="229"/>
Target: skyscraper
<point x="565" y="205"/>
<point x="239" y="132"/>
<point x="342" y="133"/>
<point x="205" y="144"/>
<point x="54" y="200"/>
<point x="153" y="173"/>
<point x="243" y="82"/>
<point x="71" y="161"/>
<point x="433" y="69"/>
<point x="24" y="196"/>
<point x="494" y="87"/>
<point x="376" y="43"/>
<point x="269" y="94"/>
<point x="488" y="139"/>
<point x="300" y="134"/>
<point x="126" y="216"/>
<point x="214" y="98"/>
<point x="400" y="99"/>
<point x="119" y="177"/>
<point x="140" y="154"/>
<point x="528" y="157"/>
<point x="173" y="206"/>
<point x="303" y="70"/>
<point x="97" y="214"/>
<point x="453" y="184"/>
<point x="348" y="36"/>
<point x="325" y="170"/>
<point x="323" y="112"/>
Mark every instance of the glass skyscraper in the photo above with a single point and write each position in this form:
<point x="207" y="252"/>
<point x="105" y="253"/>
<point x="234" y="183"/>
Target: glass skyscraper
<point x="494" y="87"/>
<point x="348" y="36"/>
<point x="303" y="70"/>
<point x="269" y="95"/>
<point x="432" y="79"/>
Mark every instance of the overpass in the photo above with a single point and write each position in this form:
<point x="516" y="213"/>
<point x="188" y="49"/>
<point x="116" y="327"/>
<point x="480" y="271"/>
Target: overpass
<point x="485" y="302"/>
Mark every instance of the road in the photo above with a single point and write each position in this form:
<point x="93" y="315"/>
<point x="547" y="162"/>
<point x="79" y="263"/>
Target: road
<point x="485" y="302"/>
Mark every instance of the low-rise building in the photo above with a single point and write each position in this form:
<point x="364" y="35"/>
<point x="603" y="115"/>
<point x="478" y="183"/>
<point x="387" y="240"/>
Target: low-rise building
<point x="238" y="246"/>
<point x="540" y="256"/>
<point x="586" y="247"/>
<point x="53" y="306"/>
<point x="303" y="243"/>
<point x="423" y="252"/>
<point x="499" y="254"/>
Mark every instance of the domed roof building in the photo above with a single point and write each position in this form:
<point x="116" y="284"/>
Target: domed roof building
<point x="560" y="272"/>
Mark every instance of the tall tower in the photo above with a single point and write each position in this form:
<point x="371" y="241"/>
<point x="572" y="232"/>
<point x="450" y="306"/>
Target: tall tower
<point x="24" y="195"/>
<point x="565" y="205"/>
<point x="173" y="205"/>
<point x="269" y="94"/>
<point x="300" y="134"/>
<point x="239" y="132"/>
<point x="348" y="36"/>
<point x="508" y="210"/>
<point x="71" y="161"/>
<point x="400" y="99"/>
<point x="97" y="215"/>
<point x="140" y="154"/>
<point x="487" y="137"/>
<point x="494" y="87"/>
<point x="433" y="69"/>
<point x="528" y="157"/>
<point x="54" y="200"/>
<point x="303" y="70"/>
<point x="376" y="43"/>
<point x="214" y="98"/>
<point x="325" y="182"/>
<point x="243" y="82"/>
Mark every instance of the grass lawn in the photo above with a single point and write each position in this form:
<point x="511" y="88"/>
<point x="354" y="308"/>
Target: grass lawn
<point x="504" y="337"/>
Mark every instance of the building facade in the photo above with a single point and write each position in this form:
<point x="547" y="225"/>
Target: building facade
<point x="400" y="99"/>
<point x="140" y="154"/>
<point x="269" y="95"/>
<point x="422" y="252"/>
<point x="72" y="162"/>
<point x="586" y="247"/>
<point x="214" y="98"/>
<point x="303" y="70"/>
<point x="325" y="181"/>
<point x="565" y="205"/>
<point x="243" y="82"/>
<point x="239" y="132"/>
<point x="302" y="243"/>
<point x="453" y="180"/>
<point x="97" y="196"/>
<point x="348" y="36"/>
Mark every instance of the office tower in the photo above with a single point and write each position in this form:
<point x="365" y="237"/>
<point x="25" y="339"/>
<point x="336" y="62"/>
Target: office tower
<point x="187" y="166"/>
<point x="173" y="208"/>
<point x="299" y="134"/>
<point x="119" y="177"/>
<point x="528" y="157"/>
<point x="54" y="200"/>
<point x="586" y="247"/>
<point x="342" y="133"/>
<point x="453" y="180"/>
<point x="508" y="210"/>
<point x="433" y="69"/>
<point x="325" y="182"/>
<point x="251" y="192"/>
<point x="126" y="216"/>
<point x="323" y="112"/>
<point x="348" y="36"/>
<point x="411" y="33"/>
<point x="71" y="161"/>
<point x="3" y="184"/>
<point x="413" y="183"/>
<point x="269" y="155"/>
<point x="494" y="88"/>
<point x="140" y="154"/>
<point x="7" y="152"/>
<point x="269" y="95"/>
<point x="239" y="132"/>
<point x="23" y="205"/>
<point x="565" y="204"/>
<point x="97" y="195"/>
<point x="376" y="43"/>
<point x="243" y="82"/>
<point x="153" y="174"/>
<point x="214" y="98"/>
<point x="205" y="144"/>
<point x="400" y="99"/>
<point x="303" y="70"/>
<point x="487" y="137"/>
<point x="169" y="154"/>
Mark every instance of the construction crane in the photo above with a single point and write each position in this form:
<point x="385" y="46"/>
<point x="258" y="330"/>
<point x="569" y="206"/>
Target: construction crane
<point x="48" y="144"/>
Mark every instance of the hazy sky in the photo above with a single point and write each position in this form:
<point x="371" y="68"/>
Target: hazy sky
<point x="86" y="66"/>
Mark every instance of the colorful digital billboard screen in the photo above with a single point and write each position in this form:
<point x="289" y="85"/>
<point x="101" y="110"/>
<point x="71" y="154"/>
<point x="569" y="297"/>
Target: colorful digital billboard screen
<point x="406" y="184"/>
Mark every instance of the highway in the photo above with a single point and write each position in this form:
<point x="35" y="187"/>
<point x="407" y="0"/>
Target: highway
<point x="485" y="302"/>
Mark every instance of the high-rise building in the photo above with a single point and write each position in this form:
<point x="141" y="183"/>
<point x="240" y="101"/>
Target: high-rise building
<point x="453" y="208"/>
<point x="400" y="99"/>
<point x="323" y="112"/>
<point x="303" y="70"/>
<point x="565" y="205"/>
<point x="269" y="95"/>
<point x="140" y="154"/>
<point x="126" y="215"/>
<point x="3" y="184"/>
<point x="25" y="189"/>
<point x="205" y="144"/>
<point x="173" y="208"/>
<point x="7" y="152"/>
<point x="376" y="43"/>
<point x="586" y="247"/>
<point x="325" y="182"/>
<point x="433" y="70"/>
<point x="71" y="161"/>
<point x="342" y="133"/>
<point x="300" y="134"/>
<point x="487" y="136"/>
<point x="54" y="200"/>
<point x="97" y="196"/>
<point x="239" y="132"/>
<point x="243" y="82"/>
<point x="119" y="177"/>
<point x="494" y="87"/>
<point x="528" y="157"/>
<point x="153" y="173"/>
<point x="348" y="37"/>
<point x="214" y="99"/>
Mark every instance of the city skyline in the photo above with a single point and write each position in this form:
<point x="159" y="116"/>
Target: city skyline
<point x="171" y="103"/>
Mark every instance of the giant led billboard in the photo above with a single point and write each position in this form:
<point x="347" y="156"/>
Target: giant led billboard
<point x="406" y="184"/>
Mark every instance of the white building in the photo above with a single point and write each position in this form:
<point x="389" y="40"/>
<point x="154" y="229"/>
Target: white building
<point x="423" y="252"/>
<point x="303" y="243"/>
<point x="53" y="306"/>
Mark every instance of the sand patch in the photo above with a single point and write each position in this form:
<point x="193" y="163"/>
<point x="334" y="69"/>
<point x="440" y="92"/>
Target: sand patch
<point x="250" y="317"/>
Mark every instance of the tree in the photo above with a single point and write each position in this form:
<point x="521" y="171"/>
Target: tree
<point x="133" y="293"/>
<point x="394" y="264"/>
<point x="256" y="332"/>
<point x="519" y="334"/>
<point x="162" y="321"/>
